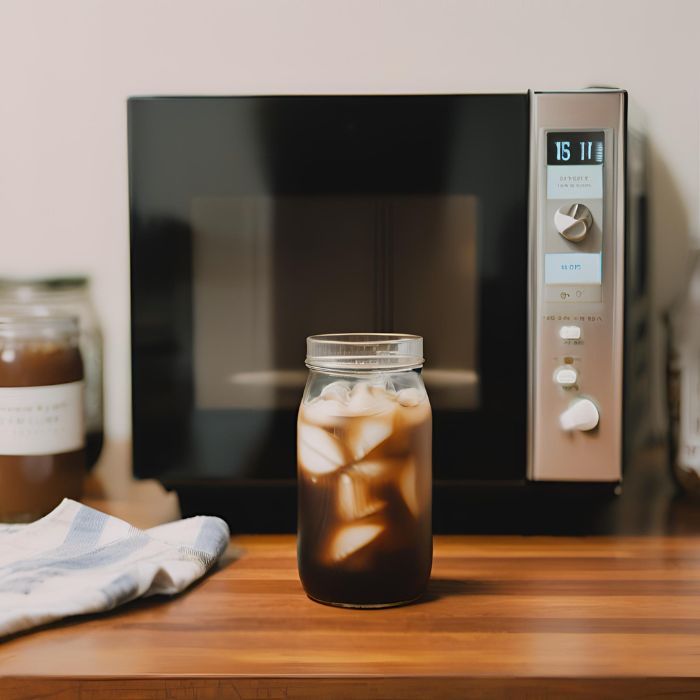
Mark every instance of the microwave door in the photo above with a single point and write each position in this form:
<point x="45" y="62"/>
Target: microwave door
<point x="258" y="221"/>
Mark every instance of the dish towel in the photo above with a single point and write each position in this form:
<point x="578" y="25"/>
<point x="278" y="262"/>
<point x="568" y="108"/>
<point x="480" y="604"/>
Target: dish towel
<point x="77" y="560"/>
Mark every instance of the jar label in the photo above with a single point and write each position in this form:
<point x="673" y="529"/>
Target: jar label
<point x="41" y="420"/>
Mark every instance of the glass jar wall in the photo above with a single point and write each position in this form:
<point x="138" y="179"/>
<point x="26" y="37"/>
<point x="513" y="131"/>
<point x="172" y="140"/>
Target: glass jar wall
<point x="364" y="471"/>
<point x="42" y="433"/>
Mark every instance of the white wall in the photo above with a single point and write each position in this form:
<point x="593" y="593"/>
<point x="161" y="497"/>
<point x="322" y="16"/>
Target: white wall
<point x="66" y="68"/>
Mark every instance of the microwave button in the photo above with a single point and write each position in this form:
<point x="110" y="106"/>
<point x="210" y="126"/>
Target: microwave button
<point x="573" y="221"/>
<point x="570" y="332"/>
<point x="565" y="376"/>
<point x="582" y="414"/>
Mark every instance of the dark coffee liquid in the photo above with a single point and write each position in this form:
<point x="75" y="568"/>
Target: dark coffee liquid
<point x="394" y="568"/>
<point x="32" y="485"/>
<point x="365" y="536"/>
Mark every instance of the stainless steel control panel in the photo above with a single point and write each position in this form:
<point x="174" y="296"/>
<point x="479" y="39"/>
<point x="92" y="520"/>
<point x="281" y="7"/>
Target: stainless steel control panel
<point x="576" y="251"/>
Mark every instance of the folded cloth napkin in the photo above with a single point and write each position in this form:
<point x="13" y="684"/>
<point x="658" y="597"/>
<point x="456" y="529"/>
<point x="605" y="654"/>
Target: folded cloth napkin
<point x="77" y="560"/>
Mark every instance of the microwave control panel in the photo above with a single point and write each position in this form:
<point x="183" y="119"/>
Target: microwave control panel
<point x="576" y="246"/>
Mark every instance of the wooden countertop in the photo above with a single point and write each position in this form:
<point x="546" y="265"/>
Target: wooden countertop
<point x="503" y="617"/>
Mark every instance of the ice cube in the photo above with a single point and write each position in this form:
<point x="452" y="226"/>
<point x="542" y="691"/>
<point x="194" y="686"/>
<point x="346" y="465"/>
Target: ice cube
<point x="374" y="468"/>
<point x="383" y="388"/>
<point x="411" y="417"/>
<point x="367" y="399"/>
<point x="362" y="400"/>
<point x="408" y="487"/>
<point x="336" y="391"/>
<point x="366" y="433"/>
<point x="318" y="451"/>
<point x="351" y="539"/>
<point x="327" y="414"/>
<point x="409" y="397"/>
<point x="355" y="499"/>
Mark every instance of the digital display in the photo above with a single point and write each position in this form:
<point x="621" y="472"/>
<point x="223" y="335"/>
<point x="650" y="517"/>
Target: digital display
<point x="575" y="147"/>
<point x="572" y="268"/>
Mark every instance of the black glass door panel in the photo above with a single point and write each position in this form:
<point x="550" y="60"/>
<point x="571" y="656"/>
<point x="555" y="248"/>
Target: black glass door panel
<point x="258" y="221"/>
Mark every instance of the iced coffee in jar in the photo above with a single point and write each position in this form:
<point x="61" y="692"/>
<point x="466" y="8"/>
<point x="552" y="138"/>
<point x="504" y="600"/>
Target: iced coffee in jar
<point x="42" y="435"/>
<point x="364" y="471"/>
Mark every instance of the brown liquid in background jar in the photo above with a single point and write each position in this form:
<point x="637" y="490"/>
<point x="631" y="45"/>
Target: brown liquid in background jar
<point x="32" y="485"/>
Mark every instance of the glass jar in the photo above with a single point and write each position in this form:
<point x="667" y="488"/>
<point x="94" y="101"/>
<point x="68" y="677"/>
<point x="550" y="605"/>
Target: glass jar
<point x="683" y="384"/>
<point x="42" y="435"/>
<point x="69" y="295"/>
<point x="364" y="449"/>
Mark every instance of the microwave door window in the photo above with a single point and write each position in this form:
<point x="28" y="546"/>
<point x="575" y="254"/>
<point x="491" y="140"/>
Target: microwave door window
<point x="270" y="271"/>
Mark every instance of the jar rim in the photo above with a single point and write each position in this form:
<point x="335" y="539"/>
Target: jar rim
<point x="363" y="352"/>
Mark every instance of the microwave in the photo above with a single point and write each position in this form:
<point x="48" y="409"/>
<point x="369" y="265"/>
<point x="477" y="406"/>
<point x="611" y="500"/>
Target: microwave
<point x="509" y="230"/>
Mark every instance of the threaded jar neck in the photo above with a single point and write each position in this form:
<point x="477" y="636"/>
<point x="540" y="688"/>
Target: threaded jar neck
<point x="364" y="352"/>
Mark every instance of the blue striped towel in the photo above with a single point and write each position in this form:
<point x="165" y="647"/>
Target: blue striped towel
<point x="77" y="560"/>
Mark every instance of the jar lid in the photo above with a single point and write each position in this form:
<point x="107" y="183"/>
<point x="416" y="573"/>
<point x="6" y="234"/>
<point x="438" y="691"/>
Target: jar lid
<point x="363" y="352"/>
<point x="44" y="290"/>
<point x="44" y="283"/>
<point x="30" y="327"/>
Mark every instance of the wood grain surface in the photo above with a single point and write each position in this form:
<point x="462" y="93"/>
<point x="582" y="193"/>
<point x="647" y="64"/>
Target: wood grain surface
<point x="504" y="617"/>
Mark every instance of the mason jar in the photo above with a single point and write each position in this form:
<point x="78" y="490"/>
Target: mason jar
<point x="683" y="384"/>
<point x="364" y="450"/>
<point x="69" y="295"/>
<point x="42" y="435"/>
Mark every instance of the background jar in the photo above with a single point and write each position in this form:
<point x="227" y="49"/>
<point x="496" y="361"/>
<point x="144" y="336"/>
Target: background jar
<point x="364" y="445"/>
<point x="71" y="296"/>
<point x="42" y="433"/>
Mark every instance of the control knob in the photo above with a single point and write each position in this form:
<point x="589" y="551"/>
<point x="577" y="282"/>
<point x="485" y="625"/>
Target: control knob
<point x="582" y="414"/>
<point x="573" y="221"/>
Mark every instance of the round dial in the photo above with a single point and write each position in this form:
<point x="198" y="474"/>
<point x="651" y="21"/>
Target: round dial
<point x="582" y="414"/>
<point x="573" y="221"/>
